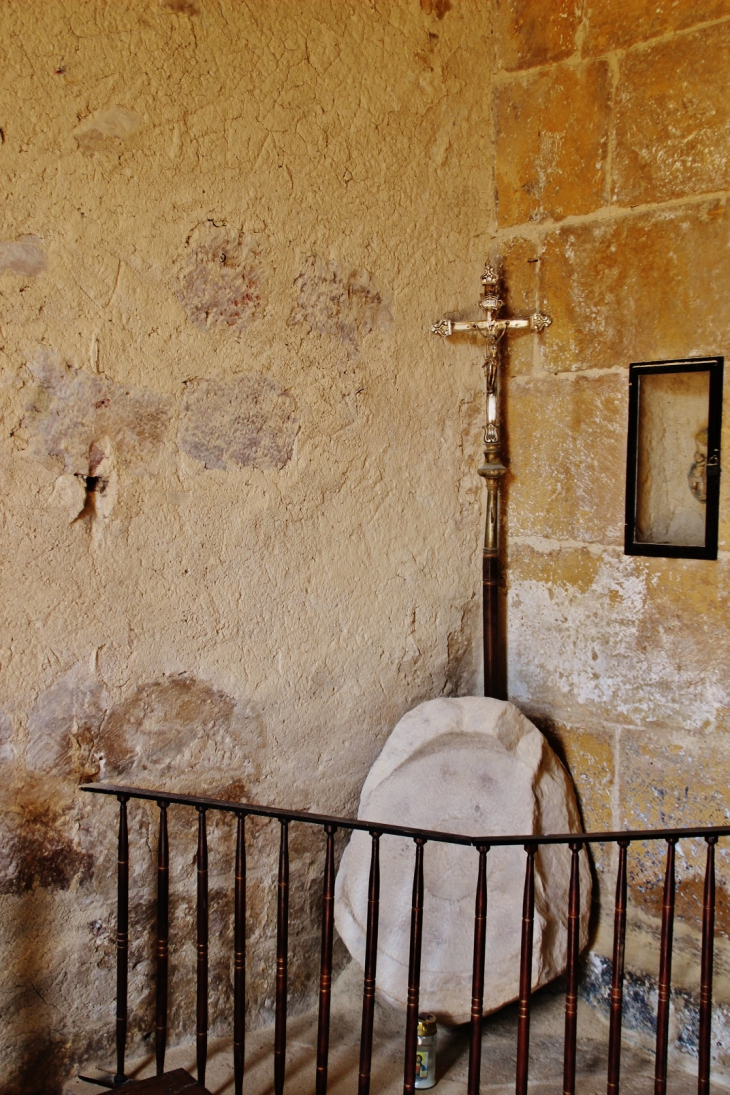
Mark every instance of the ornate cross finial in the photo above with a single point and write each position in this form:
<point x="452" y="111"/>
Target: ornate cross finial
<point x="491" y="303"/>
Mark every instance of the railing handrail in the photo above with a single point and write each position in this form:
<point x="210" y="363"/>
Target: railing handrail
<point x="384" y="829"/>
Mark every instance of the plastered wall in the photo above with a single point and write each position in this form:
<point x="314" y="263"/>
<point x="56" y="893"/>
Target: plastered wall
<point x="239" y="508"/>
<point x="612" y="135"/>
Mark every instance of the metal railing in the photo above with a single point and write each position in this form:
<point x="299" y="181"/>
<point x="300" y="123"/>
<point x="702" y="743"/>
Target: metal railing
<point x="482" y="844"/>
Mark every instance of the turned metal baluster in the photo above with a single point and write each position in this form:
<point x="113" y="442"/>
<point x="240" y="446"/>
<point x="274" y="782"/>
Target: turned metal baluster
<point x="708" y="944"/>
<point x="414" y="973"/>
<point x="163" y="921"/>
<point x="371" y="963"/>
<point x="122" y="936"/>
<point x="617" y="977"/>
<point x="325" y="972"/>
<point x="201" y="1038"/>
<point x="571" y="991"/>
<point x="528" y="924"/>
<point x="239" y="957"/>
<point x="477" y="981"/>
<point x="282" y="953"/>
<point x="665" y="974"/>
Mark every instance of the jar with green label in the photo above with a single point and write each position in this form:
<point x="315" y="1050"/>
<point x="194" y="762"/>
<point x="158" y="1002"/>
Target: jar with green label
<point x="426" y="1050"/>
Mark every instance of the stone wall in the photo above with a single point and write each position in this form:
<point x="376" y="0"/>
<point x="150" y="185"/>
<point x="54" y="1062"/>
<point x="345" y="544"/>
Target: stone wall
<point x="612" y="132"/>
<point x="239" y="508"/>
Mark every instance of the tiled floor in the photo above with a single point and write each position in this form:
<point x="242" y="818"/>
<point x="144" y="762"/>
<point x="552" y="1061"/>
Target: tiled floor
<point x="498" y="1054"/>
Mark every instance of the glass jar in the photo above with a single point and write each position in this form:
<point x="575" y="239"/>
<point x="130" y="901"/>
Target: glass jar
<point x="426" y="1050"/>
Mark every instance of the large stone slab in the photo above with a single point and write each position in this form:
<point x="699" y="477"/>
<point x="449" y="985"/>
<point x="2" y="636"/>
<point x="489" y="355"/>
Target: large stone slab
<point x="474" y="766"/>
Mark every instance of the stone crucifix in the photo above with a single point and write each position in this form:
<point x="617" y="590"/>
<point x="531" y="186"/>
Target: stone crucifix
<point x="491" y="329"/>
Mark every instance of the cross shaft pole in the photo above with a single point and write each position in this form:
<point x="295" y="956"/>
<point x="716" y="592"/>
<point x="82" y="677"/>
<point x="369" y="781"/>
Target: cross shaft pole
<point x="492" y="329"/>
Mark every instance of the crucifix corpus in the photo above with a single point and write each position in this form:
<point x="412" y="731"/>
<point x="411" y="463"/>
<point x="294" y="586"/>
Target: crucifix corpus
<point x="491" y="329"/>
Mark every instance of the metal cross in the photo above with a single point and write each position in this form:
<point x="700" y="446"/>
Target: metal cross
<point x="492" y="330"/>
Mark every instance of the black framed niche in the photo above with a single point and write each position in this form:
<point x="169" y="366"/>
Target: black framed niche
<point x="673" y="463"/>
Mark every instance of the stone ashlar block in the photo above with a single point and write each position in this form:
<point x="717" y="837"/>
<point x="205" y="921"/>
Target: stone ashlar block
<point x="552" y="140"/>
<point x="671" y="780"/>
<point x="596" y="636"/>
<point x="519" y="261"/>
<point x="567" y="457"/>
<point x="618" y="24"/>
<point x="588" y="755"/>
<point x="533" y="33"/>
<point x="672" y="119"/>
<point x="643" y="287"/>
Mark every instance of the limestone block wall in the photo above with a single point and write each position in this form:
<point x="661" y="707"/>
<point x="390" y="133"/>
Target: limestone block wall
<point x="239" y="508"/>
<point x="612" y="134"/>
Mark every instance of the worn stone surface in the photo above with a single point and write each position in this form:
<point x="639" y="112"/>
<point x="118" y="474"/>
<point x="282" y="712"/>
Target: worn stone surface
<point x="531" y="33"/>
<point x="597" y="635"/>
<point x="224" y="564"/>
<point x="588" y="755"/>
<point x="672" y="119"/>
<point x="670" y="781"/>
<point x="518" y="259"/>
<point x="547" y="166"/>
<point x="629" y="650"/>
<point x="568" y="457"/>
<point x="635" y="289"/>
<point x="474" y="766"/>
<point x="618" y="24"/>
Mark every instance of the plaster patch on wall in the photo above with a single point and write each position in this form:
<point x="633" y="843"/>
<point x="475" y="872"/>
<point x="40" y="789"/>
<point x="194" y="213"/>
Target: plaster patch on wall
<point x="69" y="495"/>
<point x="172" y="725"/>
<point x="105" y="129"/>
<point x="222" y="279"/>
<point x="71" y="409"/>
<point x="63" y="725"/>
<point x="333" y="301"/>
<point x="7" y="749"/>
<point x="246" y="419"/>
<point x="24" y="256"/>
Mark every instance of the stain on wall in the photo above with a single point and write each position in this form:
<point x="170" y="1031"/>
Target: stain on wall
<point x="68" y="409"/>
<point x="63" y="726"/>
<point x="346" y="305"/>
<point x="247" y="420"/>
<point x="223" y="281"/>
